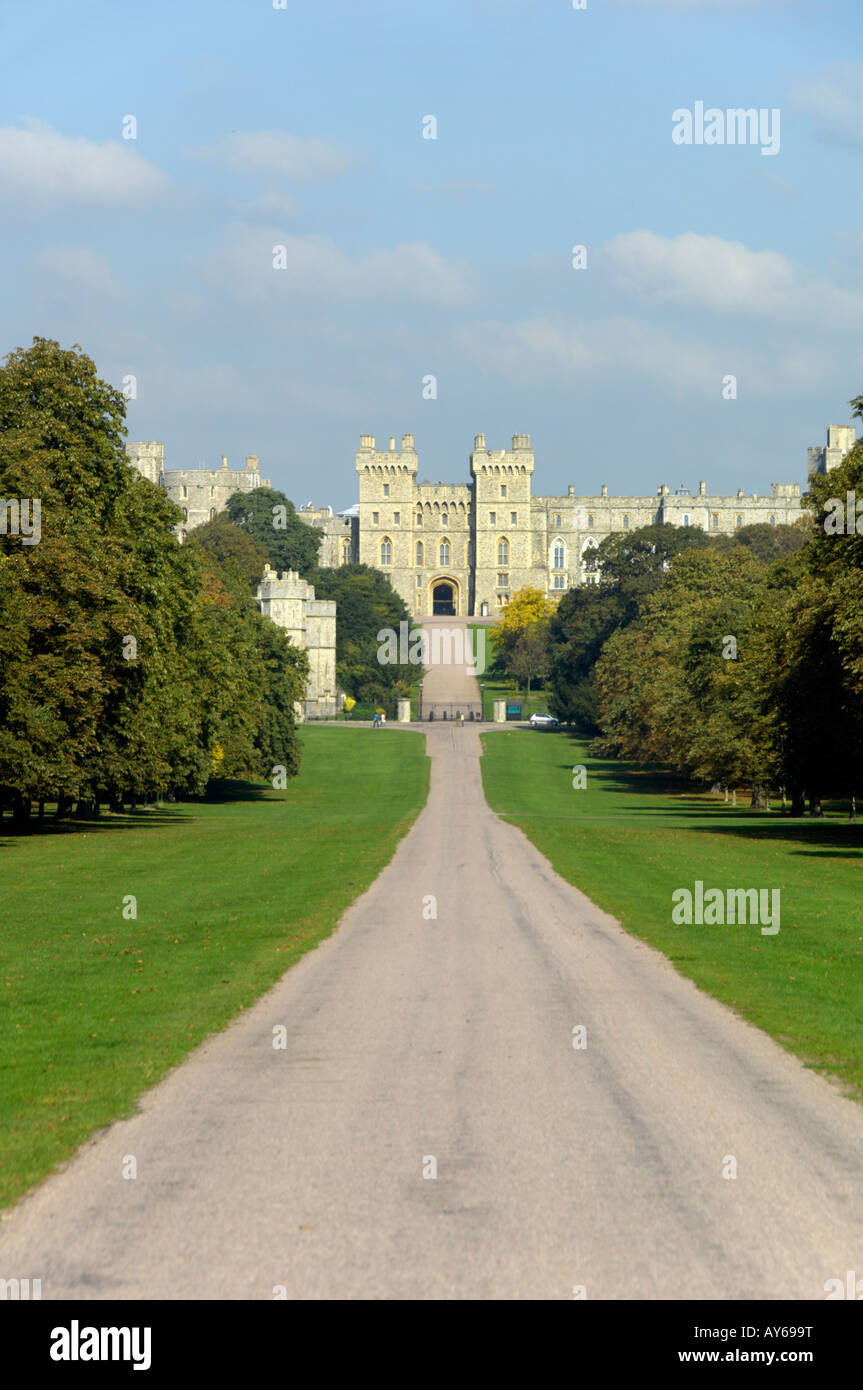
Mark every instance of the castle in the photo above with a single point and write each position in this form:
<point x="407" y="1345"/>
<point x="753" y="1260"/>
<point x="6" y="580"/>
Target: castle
<point x="311" y="625"/>
<point x="463" y="549"/>
<point x="199" y="492"/>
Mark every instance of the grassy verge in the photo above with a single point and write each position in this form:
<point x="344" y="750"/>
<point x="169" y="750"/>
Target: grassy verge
<point x="229" y="895"/>
<point x="631" y="837"/>
<point x="503" y="687"/>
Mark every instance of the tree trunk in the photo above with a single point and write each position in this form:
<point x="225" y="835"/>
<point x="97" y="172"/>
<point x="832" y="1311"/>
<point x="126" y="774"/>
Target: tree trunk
<point x="815" y="805"/>
<point x="756" y="802"/>
<point x="84" y="810"/>
<point x="115" y="802"/>
<point x="726" y="794"/>
<point x="798" y="802"/>
<point x="852" y="813"/>
<point x="734" y="796"/>
<point x="41" y="814"/>
<point x="784" y="803"/>
<point x="20" y="810"/>
<point x="64" y="806"/>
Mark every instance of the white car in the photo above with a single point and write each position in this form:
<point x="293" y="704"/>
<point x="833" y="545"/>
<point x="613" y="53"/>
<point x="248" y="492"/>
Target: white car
<point x="544" y="721"/>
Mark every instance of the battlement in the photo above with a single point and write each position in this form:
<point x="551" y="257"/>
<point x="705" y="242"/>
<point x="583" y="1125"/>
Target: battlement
<point x="391" y="462"/>
<point x="840" y="440"/>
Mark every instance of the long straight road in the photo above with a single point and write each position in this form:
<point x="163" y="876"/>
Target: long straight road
<point x="418" y="1043"/>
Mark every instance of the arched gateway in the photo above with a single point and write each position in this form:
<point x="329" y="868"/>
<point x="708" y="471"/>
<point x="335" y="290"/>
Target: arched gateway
<point x="444" y="598"/>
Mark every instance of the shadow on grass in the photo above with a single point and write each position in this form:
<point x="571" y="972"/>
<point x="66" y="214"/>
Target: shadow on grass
<point x="145" y="817"/>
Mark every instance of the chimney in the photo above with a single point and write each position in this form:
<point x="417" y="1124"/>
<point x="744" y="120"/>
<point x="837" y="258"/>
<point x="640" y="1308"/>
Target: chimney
<point x="605" y="489"/>
<point x="224" y="460"/>
<point x="392" y="442"/>
<point x="702" y="489"/>
<point x="571" y="490"/>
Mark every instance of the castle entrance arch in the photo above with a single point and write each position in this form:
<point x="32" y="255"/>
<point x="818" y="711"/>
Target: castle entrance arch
<point x="444" y="598"/>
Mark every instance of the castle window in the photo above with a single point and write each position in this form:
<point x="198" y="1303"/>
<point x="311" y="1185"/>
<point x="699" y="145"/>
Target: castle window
<point x="715" y="521"/>
<point x="513" y="519"/>
<point x="346" y="553"/>
<point x="386" y="489"/>
<point x="503" y="489"/>
<point x="625" y="522"/>
<point x="444" y="552"/>
<point x="557" y="523"/>
<point x="557" y="556"/>
<point x="397" y="518"/>
<point x="386" y="551"/>
<point x="590" y="522"/>
<point x="212" y="512"/>
<point x="773" y="521"/>
<point x="503" y="552"/>
<point x="212" y="492"/>
<point x="185" y="511"/>
<point x="419" y="518"/>
<point x="686" y="518"/>
<point x="444" y="519"/>
<point x="739" y="521"/>
<point x="419" y="552"/>
<point x="559" y="581"/>
<point x="492" y="518"/>
<point x="503" y="581"/>
<point x="376" y="516"/>
<point x="185" y="492"/>
<point x="419" y="581"/>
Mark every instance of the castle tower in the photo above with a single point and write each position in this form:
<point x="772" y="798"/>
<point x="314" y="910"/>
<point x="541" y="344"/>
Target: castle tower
<point x="503" y="526"/>
<point x="840" y="439"/>
<point x="148" y="456"/>
<point x="387" y="488"/>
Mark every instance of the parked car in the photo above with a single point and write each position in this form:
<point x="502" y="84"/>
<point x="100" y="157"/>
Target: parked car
<point x="544" y="721"/>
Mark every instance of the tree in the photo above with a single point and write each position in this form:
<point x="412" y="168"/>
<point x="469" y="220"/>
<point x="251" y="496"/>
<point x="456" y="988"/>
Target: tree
<point x="232" y="546"/>
<point x="270" y="518"/>
<point x="530" y="657"/>
<point x="366" y="604"/>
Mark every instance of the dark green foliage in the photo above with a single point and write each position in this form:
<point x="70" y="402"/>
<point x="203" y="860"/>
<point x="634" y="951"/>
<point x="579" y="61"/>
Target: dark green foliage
<point x="366" y="605"/>
<point x="270" y="518"/>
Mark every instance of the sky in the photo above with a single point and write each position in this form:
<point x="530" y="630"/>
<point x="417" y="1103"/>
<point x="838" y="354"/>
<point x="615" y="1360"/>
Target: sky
<point x="407" y="258"/>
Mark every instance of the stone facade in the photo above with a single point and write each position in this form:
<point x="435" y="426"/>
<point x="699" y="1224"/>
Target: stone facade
<point x="840" y="438"/>
<point x="311" y="624"/>
<point x="464" y="548"/>
<point x="200" y="492"/>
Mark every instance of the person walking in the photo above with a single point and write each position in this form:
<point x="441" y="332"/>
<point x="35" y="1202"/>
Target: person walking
<point x="383" y="721"/>
<point x="377" y="723"/>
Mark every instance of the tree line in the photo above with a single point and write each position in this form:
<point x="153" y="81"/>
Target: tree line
<point x="735" y="660"/>
<point x="130" y="665"/>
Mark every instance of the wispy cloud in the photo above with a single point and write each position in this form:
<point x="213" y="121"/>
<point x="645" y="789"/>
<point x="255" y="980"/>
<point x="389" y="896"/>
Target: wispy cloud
<point x="40" y="165"/>
<point x="833" y="97"/>
<point x="278" y="152"/>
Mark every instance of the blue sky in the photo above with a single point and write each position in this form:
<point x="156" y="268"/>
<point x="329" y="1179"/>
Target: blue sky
<point x="303" y="127"/>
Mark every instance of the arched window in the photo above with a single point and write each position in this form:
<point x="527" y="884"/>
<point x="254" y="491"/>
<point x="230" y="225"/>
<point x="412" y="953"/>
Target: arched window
<point x="773" y="521"/>
<point x="419" y="552"/>
<point x="346" y="553"/>
<point x="185" y="490"/>
<point x="503" y="552"/>
<point x="686" y="518"/>
<point x="625" y="522"/>
<point x="386" y="551"/>
<point x="185" y="512"/>
<point x="740" y="521"/>
<point x="715" y="521"/>
<point x="444" y="518"/>
<point x="557" y="556"/>
<point x="419" y="518"/>
<point x="444" y="552"/>
<point x="590" y="522"/>
<point x="557" y="523"/>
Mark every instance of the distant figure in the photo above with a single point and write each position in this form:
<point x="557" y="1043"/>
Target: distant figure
<point x="383" y="720"/>
<point x="377" y="723"/>
<point x="461" y="720"/>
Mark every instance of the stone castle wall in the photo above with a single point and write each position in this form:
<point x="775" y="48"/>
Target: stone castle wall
<point x="310" y="623"/>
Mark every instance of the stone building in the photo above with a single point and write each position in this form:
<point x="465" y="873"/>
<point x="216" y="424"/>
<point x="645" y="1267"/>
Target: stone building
<point x="311" y="624"/>
<point x="200" y="492"/>
<point x="840" y="438"/>
<point x="465" y="548"/>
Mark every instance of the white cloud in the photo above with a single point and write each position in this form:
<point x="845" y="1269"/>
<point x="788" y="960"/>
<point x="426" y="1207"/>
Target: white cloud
<point x="277" y="152"/>
<point x="834" y="98"/>
<point x="317" y="269"/>
<point x="544" y="351"/>
<point x="83" y="268"/>
<point x="41" y="165"/>
<point x="725" y="276"/>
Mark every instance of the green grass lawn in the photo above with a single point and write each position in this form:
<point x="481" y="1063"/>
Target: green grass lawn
<point x="633" y="836"/>
<point x="229" y="895"/>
